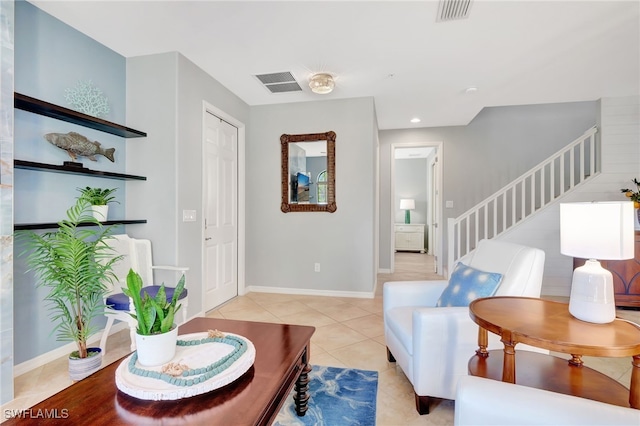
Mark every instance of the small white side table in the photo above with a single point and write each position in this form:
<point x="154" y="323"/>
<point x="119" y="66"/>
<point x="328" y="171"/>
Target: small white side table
<point x="409" y="237"/>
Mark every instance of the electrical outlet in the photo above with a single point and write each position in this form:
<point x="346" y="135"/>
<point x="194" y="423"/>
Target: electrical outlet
<point x="316" y="267"/>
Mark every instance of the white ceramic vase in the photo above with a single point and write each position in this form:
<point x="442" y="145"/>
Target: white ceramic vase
<point x="156" y="349"/>
<point x="100" y="212"/>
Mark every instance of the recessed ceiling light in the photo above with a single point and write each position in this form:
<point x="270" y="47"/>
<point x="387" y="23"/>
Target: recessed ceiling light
<point x="471" y="90"/>
<point x="415" y="120"/>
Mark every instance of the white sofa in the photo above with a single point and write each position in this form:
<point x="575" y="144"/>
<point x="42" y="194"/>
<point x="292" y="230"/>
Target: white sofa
<point x="432" y="345"/>
<point x="486" y="402"/>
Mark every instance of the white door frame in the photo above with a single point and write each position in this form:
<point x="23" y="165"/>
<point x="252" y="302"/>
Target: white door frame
<point x="438" y="145"/>
<point x="209" y="108"/>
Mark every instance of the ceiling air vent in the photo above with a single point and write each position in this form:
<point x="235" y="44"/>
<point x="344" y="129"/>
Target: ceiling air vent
<point x="279" y="82"/>
<point x="450" y="10"/>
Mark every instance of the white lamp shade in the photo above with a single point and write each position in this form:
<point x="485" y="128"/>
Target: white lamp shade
<point x="597" y="230"/>
<point x="407" y="204"/>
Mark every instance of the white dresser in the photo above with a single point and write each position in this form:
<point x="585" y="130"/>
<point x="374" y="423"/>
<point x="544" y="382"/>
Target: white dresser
<point x="409" y="237"/>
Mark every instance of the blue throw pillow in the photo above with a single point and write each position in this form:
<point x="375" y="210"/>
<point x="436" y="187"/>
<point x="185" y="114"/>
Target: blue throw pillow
<point x="467" y="284"/>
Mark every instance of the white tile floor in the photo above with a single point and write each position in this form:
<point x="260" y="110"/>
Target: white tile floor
<point x="349" y="333"/>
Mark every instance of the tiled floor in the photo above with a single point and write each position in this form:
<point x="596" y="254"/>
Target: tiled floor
<point x="349" y="333"/>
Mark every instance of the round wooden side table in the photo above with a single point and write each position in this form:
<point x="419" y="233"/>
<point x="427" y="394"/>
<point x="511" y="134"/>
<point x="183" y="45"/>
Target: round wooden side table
<point x="549" y="325"/>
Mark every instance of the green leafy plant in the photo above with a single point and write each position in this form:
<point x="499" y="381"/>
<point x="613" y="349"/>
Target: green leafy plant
<point x="154" y="314"/>
<point x="75" y="264"/>
<point x="631" y="194"/>
<point x="98" y="196"/>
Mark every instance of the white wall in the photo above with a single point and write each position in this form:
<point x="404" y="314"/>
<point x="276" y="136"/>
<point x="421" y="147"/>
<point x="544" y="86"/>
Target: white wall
<point x="283" y="247"/>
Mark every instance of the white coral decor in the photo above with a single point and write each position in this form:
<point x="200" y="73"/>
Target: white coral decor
<point x="88" y="99"/>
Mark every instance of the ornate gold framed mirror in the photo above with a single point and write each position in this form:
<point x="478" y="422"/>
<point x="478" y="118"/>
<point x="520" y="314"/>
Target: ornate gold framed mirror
<point x="308" y="172"/>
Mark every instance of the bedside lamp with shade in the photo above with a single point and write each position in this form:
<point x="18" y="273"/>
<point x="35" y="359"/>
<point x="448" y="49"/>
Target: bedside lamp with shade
<point x="407" y="205"/>
<point x="595" y="231"/>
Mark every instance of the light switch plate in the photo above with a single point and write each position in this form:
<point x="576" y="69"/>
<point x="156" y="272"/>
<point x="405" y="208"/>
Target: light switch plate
<point x="449" y="204"/>
<point x="188" y="215"/>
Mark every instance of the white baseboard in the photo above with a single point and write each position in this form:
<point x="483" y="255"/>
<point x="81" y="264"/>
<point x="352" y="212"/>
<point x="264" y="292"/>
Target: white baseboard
<point x="384" y="271"/>
<point x="65" y="350"/>
<point x="309" y="292"/>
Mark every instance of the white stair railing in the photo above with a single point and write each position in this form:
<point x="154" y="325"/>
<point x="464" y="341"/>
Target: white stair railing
<point x="525" y="196"/>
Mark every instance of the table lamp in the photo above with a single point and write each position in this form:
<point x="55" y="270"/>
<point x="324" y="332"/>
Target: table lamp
<point x="595" y="230"/>
<point x="407" y="205"/>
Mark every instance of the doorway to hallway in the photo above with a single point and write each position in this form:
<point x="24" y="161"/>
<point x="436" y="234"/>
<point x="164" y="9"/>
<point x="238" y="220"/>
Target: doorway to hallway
<point x="410" y="267"/>
<point x="416" y="176"/>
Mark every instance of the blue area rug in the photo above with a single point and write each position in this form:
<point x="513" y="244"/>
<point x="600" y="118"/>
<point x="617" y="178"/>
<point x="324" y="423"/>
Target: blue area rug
<point x="338" y="397"/>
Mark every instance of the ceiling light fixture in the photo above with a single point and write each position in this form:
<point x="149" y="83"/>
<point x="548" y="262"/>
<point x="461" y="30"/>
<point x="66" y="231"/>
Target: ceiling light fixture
<point x="471" y="89"/>
<point x="415" y="120"/>
<point x="321" y="83"/>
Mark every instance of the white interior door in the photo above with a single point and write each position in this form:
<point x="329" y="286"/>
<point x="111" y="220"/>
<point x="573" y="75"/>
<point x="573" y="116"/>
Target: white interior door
<point x="221" y="212"/>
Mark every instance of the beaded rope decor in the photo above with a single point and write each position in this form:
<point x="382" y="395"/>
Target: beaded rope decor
<point x="199" y="374"/>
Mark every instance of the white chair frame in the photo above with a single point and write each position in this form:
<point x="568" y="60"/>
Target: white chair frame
<point x="137" y="255"/>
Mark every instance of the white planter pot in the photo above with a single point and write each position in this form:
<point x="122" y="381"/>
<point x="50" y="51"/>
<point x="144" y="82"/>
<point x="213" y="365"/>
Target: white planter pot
<point x="156" y="349"/>
<point x="100" y="212"/>
<point x="79" y="368"/>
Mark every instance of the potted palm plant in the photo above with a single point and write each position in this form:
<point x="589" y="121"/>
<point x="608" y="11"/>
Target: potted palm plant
<point x="75" y="264"/>
<point x="156" y="333"/>
<point x="99" y="199"/>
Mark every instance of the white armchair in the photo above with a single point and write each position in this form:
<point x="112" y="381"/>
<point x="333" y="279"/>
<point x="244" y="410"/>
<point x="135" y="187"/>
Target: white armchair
<point x="486" y="402"/>
<point x="433" y="345"/>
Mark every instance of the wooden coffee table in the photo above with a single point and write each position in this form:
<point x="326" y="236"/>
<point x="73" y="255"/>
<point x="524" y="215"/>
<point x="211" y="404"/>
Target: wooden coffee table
<point x="282" y="361"/>
<point x="549" y="325"/>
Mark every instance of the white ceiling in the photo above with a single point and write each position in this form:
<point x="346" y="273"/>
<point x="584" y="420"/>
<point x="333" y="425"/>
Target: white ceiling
<point x="514" y="52"/>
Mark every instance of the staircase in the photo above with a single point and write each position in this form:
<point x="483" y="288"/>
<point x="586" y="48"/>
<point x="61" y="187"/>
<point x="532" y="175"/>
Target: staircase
<point x="536" y="189"/>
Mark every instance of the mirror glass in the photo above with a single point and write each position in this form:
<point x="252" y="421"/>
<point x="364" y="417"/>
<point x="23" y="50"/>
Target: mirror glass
<point x="308" y="172"/>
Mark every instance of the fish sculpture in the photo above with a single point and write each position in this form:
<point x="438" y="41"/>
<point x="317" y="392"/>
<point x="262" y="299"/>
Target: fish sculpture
<point x="77" y="145"/>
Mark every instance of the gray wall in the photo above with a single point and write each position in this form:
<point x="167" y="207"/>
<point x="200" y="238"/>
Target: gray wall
<point x="497" y="146"/>
<point x="50" y="57"/>
<point x="165" y="95"/>
<point x="283" y="247"/>
<point x="411" y="182"/>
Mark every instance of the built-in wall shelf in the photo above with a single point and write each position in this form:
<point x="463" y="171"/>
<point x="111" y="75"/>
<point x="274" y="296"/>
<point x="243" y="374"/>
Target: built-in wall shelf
<point x="47" y="109"/>
<point x="72" y="169"/>
<point x="52" y="225"/>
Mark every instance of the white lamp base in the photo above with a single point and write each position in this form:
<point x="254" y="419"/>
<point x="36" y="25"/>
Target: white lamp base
<point x="592" y="296"/>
